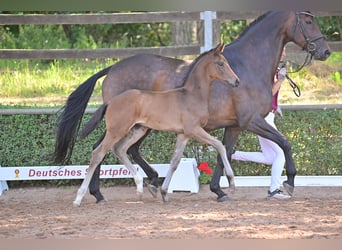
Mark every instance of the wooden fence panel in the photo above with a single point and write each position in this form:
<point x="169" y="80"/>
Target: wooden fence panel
<point x="96" y="53"/>
<point x="102" y="18"/>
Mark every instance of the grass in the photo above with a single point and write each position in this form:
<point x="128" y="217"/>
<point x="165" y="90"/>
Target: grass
<point x="25" y="83"/>
<point x="46" y="83"/>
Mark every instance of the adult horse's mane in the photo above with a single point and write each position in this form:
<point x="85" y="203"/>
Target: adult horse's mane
<point x="251" y="25"/>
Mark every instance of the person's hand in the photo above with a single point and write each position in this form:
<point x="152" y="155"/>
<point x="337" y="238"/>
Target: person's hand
<point x="282" y="73"/>
<point x="279" y="112"/>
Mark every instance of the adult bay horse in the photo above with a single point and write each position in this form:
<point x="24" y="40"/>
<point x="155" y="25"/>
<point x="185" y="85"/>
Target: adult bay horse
<point x="254" y="57"/>
<point x="183" y="110"/>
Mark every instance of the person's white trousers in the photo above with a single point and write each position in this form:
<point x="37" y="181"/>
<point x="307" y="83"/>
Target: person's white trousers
<point x="271" y="154"/>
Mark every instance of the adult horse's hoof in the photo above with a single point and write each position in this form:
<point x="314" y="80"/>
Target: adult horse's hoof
<point x="289" y="189"/>
<point x="153" y="190"/>
<point x="101" y="201"/>
<point x="223" y="198"/>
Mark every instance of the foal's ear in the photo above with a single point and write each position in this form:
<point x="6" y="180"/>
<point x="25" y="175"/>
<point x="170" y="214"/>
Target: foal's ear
<point x="219" y="48"/>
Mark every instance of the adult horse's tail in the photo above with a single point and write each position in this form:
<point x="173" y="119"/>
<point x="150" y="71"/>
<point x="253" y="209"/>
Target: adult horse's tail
<point x="70" y="119"/>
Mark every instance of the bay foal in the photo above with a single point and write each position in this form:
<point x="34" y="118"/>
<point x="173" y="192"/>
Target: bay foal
<point x="183" y="110"/>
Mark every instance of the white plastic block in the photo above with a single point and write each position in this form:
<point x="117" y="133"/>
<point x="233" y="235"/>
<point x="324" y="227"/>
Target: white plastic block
<point x="186" y="177"/>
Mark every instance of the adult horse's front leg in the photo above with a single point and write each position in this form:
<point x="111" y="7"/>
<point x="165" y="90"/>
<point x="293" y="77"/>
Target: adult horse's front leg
<point x="229" y="139"/>
<point x="262" y="128"/>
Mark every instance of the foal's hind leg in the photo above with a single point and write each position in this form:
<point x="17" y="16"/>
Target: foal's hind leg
<point x="151" y="173"/>
<point x="176" y="157"/>
<point x="120" y="150"/>
<point x="130" y="144"/>
<point x="97" y="156"/>
<point x="94" y="185"/>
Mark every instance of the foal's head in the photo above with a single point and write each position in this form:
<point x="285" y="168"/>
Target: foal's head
<point x="218" y="68"/>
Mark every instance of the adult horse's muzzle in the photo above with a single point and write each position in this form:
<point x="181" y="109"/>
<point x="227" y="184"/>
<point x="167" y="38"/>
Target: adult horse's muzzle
<point x="318" y="48"/>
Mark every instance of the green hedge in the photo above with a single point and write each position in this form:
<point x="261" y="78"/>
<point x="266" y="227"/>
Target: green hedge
<point x="316" y="138"/>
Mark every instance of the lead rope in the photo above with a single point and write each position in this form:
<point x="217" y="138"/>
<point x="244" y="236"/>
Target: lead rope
<point x="294" y="86"/>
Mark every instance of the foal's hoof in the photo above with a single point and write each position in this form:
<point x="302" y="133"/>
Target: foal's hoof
<point x="289" y="189"/>
<point x="231" y="182"/>
<point x="139" y="195"/>
<point x="76" y="204"/>
<point x="232" y="188"/>
<point x="153" y="190"/>
<point x="223" y="198"/>
<point x="164" y="196"/>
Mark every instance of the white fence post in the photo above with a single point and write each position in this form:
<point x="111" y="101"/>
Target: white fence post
<point x="208" y="17"/>
<point x="3" y="185"/>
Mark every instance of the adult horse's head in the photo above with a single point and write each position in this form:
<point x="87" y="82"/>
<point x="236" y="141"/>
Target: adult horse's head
<point x="306" y="33"/>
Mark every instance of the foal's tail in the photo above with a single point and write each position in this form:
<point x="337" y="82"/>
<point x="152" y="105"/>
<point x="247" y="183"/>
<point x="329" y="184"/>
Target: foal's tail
<point x="70" y="119"/>
<point x="94" y="121"/>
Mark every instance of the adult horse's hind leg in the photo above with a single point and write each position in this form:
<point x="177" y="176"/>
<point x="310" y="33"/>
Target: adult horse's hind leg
<point x="229" y="139"/>
<point x="176" y="157"/>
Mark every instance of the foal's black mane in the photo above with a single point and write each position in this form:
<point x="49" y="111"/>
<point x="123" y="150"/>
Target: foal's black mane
<point x="194" y="63"/>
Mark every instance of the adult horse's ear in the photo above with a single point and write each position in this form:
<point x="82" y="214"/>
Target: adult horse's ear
<point x="219" y="49"/>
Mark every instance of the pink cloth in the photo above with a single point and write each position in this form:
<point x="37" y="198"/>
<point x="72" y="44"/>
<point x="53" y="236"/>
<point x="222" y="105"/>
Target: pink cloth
<point x="275" y="97"/>
<point x="275" y="101"/>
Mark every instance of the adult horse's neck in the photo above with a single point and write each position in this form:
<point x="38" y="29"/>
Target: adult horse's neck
<point x="259" y="48"/>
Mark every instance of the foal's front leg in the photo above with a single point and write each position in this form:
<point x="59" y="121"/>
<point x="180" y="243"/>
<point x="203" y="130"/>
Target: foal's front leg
<point x="176" y="157"/>
<point x="200" y="134"/>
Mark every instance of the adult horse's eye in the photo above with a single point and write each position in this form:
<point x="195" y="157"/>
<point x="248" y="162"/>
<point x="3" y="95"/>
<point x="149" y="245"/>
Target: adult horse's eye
<point x="220" y="63"/>
<point x="308" y="20"/>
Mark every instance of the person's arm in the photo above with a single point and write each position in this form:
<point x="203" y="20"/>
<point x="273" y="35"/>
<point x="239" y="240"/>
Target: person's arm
<point x="276" y="85"/>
